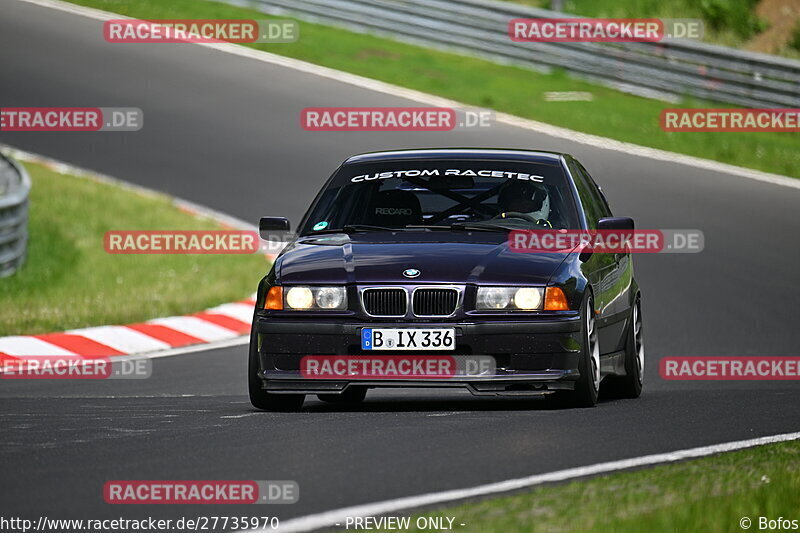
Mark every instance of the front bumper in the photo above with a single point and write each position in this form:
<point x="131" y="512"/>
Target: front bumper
<point x="531" y="356"/>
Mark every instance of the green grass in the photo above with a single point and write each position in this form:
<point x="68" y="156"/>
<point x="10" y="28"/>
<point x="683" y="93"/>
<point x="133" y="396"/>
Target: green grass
<point x="710" y="495"/>
<point x="727" y="22"/>
<point x="486" y="84"/>
<point x="69" y="281"/>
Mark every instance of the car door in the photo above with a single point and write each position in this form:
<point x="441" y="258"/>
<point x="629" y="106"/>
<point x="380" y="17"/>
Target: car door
<point x="601" y="269"/>
<point x="619" y="279"/>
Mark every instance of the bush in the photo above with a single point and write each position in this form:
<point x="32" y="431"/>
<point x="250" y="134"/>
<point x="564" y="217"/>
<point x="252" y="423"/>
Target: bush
<point x="794" y="40"/>
<point x="737" y="16"/>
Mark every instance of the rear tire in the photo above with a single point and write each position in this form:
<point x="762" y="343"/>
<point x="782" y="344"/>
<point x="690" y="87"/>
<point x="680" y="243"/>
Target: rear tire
<point x="351" y="395"/>
<point x="588" y="385"/>
<point x="630" y="385"/>
<point x="260" y="398"/>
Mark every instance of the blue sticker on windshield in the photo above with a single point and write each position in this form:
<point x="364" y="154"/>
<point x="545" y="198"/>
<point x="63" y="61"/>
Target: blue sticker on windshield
<point x="320" y="225"/>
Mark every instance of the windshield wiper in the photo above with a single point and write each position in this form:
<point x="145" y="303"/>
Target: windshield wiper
<point x="478" y="226"/>
<point x="350" y="228"/>
<point x="462" y="226"/>
<point x="427" y="226"/>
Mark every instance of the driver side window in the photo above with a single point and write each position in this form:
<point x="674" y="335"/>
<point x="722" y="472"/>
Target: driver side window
<point x="593" y="205"/>
<point x="598" y="195"/>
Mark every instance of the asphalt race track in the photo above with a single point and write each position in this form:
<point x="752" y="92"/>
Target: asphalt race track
<point x="224" y="131"/>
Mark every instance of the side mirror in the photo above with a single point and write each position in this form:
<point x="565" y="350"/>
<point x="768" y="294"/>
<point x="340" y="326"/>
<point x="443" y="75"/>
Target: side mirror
<point x="268" y="225"/>
<point x="615" y="223"/>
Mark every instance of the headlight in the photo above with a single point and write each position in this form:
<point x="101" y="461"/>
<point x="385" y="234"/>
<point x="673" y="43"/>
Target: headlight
<point x="299" y="298"/>
<point x="311" y="298"/>
<point x="528" y="298"/>
<point x="494" y="297"/>
<point x="330" y="297"/>
<point x="511" y="298"/>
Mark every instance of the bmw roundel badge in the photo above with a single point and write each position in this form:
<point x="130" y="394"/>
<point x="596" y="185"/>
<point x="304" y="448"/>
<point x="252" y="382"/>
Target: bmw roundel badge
<point x="411" y="272"/>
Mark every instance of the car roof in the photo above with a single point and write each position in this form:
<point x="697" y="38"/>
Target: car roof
<point x="534" y="156"/>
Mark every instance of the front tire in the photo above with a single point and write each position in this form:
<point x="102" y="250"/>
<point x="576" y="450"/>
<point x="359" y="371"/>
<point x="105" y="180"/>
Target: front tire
<point x="260" y="398"/>
<point x="630" y="385"/>
<point x="588" y="385"/>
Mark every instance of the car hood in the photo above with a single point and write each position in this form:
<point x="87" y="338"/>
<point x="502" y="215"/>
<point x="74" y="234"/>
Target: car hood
<point x="370" y="261"/>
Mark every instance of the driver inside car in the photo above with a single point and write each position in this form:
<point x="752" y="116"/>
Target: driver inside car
<point x="528" y="199"/>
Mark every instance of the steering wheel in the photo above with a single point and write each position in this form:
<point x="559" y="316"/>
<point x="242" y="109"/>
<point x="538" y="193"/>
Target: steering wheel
<point x="525" y="216"/>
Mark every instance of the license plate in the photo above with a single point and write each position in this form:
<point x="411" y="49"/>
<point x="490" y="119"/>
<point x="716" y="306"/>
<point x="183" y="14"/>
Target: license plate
<point x="408" y="339"/>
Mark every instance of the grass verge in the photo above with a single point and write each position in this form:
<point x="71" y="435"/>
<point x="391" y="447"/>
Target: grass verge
<point x="69" y="281"/>
<point x="711" y="495"/>
<point x="483" y="83"/>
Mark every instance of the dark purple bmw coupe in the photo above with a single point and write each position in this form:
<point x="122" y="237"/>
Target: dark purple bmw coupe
<point x="401" y="275"/>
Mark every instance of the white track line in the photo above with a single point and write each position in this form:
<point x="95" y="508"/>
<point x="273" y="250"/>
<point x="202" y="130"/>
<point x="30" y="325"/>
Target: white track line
<point x="338" y="516"/>
<point x="65" y="168"/>
<point x="417" y="96"/>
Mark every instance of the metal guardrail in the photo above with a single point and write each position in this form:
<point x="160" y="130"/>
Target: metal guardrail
<point x="15" y="184"/>
<point x="668" y="69"/>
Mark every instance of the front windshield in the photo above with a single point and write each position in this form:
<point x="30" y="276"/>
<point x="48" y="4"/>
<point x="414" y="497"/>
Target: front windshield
<point x="487" y="195"/>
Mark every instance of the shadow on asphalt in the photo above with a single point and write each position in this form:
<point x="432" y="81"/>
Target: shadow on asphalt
<point x="430" y="404"/>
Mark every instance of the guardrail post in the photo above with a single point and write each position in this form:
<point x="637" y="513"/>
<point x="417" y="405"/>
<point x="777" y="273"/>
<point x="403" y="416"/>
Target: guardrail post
<point x="15" y="185"/>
